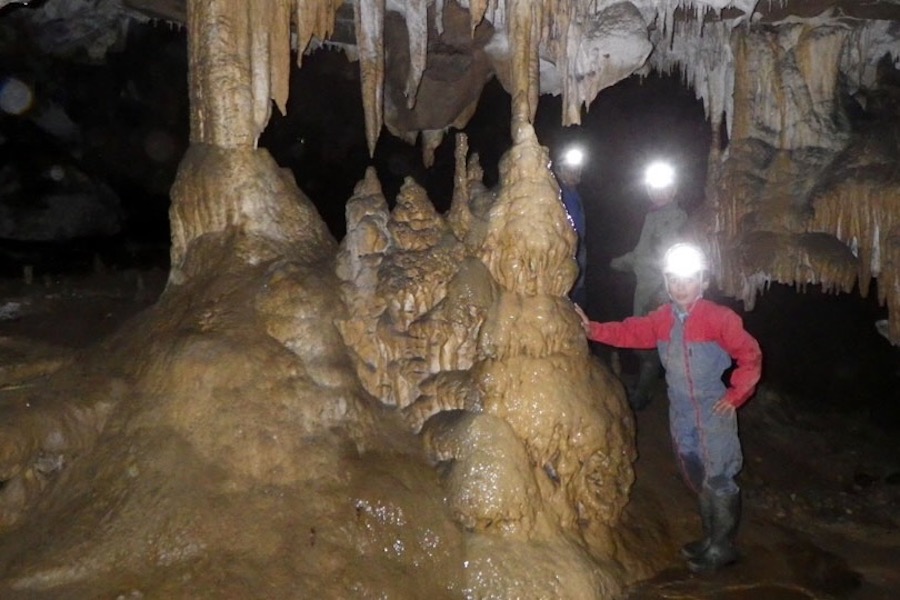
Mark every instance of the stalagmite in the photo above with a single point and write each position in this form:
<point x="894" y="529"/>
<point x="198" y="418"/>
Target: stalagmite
<point x="493" y="368"/>
<point x="459" y="216"/>
<point x="442" y="428"/>
<point x="529" y="344"/>
<point x="401" y="333"/>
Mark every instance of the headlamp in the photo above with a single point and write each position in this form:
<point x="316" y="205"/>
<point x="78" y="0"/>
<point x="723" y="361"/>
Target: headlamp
<point x="659" y="175"/>
<point x="684" y="260"/>
<point x="573" y="157"/>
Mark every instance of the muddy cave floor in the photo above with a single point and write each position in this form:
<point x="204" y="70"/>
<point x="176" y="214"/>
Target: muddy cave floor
<point x="821" y="490"/>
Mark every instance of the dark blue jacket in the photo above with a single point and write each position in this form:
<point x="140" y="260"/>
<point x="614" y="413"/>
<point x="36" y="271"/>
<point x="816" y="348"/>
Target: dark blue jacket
<point x="575" y="209"/>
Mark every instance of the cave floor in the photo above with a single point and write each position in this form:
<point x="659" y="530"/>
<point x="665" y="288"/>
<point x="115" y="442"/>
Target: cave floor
<point x="820" y="497"/>
<point x="821" y="489"/>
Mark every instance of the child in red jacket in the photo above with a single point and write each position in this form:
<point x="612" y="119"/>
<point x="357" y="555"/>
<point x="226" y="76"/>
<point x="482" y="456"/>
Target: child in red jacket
<point x="697" y="341"/>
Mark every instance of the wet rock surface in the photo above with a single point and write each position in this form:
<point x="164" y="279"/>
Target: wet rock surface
<point x="820" y="488"/>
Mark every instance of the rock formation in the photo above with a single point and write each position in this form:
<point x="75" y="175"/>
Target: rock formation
<point x="467" y="328"/>
<point x="440" y="429"/>
<point x="803" y="195"/>
<point x="230" y="444"/>
<point x="776" y="79"/>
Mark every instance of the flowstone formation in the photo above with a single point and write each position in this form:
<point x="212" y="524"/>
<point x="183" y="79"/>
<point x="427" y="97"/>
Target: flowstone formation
<point x="463" y="323"/>
<point x="220" y="445"/>
<point x="806" y="192"/>
<point x="227" y="444"/>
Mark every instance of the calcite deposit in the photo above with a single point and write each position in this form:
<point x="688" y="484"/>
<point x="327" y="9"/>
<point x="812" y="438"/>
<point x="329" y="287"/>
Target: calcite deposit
<point x="798" y="79"/>
<point x="803" y="196"/>
<point x="415" y="413"/>
<point x="486" y="355"/>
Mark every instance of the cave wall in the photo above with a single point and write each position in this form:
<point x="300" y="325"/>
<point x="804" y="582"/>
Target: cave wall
<point x="805" y="193"/>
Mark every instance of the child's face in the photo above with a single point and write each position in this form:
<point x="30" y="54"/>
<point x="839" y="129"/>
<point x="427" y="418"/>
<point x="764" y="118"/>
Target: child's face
<point x="684" y="291"/>
<point x="661" y="197"/>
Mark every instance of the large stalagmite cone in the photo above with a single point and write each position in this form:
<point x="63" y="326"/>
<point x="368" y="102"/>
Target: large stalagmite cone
<point x="535" y="374"/>
<point x="530" y="245"/>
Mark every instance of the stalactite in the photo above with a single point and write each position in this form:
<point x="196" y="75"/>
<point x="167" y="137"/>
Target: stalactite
<point x="439" y="16"/>
<point x="889" y="282"/>
<point x="477" y="10"/>
<point x="459" y="217"/>
<point x="669" y="22"/>
<point x="565" y="51"/>
<point x="369" y="19"/>
<point x="231" y="100"/>
<point x="313" y="19"/>
<point x="279" y="51"/>
<point x="799" y="259"/>
<point x="702" y="52"/>
<point x="864" y="214"/>
<point x="260" y="59"/>
<point x="497" y="12"/>
<point x="524" y="32"/>
<point x="416" y="16"/>
<point x="221" y="99"/>
<point x="867" y="44"/>
<point x="431" y="139"/>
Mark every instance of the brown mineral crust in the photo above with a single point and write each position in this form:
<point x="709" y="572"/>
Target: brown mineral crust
<point x="490" y="484"/>
<point x="415" y="224"/>
<point x="534" y="326"/>
<point x="862" y="212"/>
<point x="416" y="281"/>
<point x="529" y="247"/>
<point x="567" y="413"/>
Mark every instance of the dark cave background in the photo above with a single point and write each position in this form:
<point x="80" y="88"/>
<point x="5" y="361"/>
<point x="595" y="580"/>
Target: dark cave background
<point x="131" y="114"/>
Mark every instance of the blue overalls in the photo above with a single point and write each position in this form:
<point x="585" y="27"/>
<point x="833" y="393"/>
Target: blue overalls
<point x="706" y="444"/>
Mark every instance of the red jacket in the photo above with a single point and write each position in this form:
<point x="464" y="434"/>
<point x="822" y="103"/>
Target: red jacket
<point x="709" y="330"/>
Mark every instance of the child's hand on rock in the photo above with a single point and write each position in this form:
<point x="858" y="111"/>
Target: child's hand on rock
<point x="585" y="322"/>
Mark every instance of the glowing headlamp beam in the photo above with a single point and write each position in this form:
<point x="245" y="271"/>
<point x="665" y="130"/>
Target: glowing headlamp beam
<point x="573" y="157"/>
<point x="659" y="175"/>
<point x="684" y="260"/>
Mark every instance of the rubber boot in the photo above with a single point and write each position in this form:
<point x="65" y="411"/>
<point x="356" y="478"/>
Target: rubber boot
<point x="726" y="511"/>
<point x="648" y="373"/>
<point x="695" y="549"/>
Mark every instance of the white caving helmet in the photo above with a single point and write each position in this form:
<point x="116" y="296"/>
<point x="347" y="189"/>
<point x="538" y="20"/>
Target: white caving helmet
<point x="685" y="260"/>
<point x="571" y="162"/>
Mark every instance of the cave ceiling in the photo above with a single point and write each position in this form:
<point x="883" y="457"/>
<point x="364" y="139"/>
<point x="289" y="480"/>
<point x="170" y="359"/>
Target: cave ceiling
<point x="174" y="10"/>
<point x="803" y="191"/>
